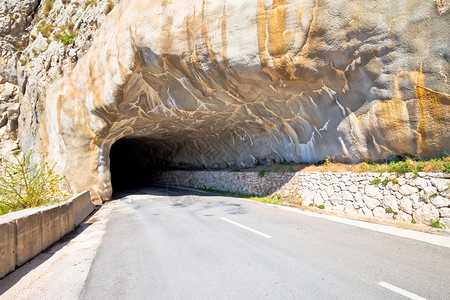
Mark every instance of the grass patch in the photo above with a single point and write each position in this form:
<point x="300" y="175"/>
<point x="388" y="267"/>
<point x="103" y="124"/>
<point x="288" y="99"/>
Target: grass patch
<point x="45" y="29"/>
<point x="435" y="223"/>
<point x="385" y="181"/>
<point x="261" y="173"/>
<point x="275" y="200"/>
<point x="376" y="181"/>
<point x="321" y="206"/>
<point x="390" y="211"/>
<point x="67" y="38"/>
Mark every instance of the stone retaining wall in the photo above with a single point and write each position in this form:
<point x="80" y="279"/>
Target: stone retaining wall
<point x="24" y="234"/>
<point x="405" y="198"/>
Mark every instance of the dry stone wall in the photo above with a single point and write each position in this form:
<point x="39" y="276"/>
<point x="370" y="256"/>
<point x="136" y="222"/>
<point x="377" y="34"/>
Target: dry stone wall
<point x="423" y="198"/>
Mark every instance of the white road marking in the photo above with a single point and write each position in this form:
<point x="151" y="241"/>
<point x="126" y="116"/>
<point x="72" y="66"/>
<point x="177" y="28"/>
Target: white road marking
<point x="400" y="291"/>
<point x="439" y="240"/>
<point x="434" y="239"/>
<point x="248" y="228"/>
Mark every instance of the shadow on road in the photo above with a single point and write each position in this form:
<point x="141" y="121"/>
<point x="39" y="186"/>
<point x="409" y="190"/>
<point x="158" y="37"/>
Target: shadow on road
<point x="10" y="280"/>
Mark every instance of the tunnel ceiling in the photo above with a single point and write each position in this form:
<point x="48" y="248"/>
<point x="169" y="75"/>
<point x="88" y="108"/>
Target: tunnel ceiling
<point x="234" y="83"/>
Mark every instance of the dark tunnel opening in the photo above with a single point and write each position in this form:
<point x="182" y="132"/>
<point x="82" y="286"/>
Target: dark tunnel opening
<point x="131" y="164"/>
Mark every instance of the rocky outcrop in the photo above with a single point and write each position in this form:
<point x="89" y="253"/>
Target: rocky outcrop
<point x="236" y="83"/>
<point x="38" y="41"/>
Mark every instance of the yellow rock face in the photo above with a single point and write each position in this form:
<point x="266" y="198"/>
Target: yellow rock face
<point x="237" y="83"/>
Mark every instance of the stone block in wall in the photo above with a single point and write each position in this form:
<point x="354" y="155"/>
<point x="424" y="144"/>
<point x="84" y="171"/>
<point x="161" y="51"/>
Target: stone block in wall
<point x="440" y="184"/>
<point x="324" y="195"/>
<point x="338" y="208"/>
<point x="416" y="201"/>
<point x="380" y="212"/>
<point x="444" y="212"/>
<point x="406" y="205"/>
<point x="392" y="186"/>
<point x="367" y="212"/>
<point x="347" y="196"/>
<point x="353" y="188"/>
<point x="445" y="222"/>
<point x="66" y="217"/>
<point x="51" y="225"/>
<point x="426" y="213"/>
<point x="407" y="190"/>
<point x="29" y="234"/>
<point x="370" y="202"/>
<point x="7" y="246"/>
<point x="440" y="201"/>
<point x="404" y="217"/>
<point x="349" y="209"/>
<point x="430" y="190"/>
<point x="373" y="191"/>
<point x="418" y="183"/>
<point x="318" y="200"/>
<point x="391" y="202"/>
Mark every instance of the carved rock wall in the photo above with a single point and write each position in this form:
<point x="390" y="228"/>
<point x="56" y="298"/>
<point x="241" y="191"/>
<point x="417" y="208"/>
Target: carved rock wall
<point x="234" y="83"/>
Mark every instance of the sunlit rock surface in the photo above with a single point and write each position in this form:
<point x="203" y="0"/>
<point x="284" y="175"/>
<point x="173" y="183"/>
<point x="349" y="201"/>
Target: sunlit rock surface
<point x="236" y="83"/>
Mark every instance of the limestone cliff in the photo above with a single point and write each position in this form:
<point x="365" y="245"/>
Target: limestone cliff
<point x="236" y="83"/>
<point x="38" y="41"/>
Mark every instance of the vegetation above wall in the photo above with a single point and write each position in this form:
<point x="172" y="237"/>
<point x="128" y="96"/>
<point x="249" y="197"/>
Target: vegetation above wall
<point x="400" y="166"/>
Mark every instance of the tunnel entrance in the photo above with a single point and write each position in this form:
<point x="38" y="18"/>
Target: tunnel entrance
<point x="131" y="164"/>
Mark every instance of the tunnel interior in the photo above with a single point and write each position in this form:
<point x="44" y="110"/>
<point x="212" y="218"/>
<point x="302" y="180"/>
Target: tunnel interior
<point x="135" y="161"/>
<point x="132" y="164"/>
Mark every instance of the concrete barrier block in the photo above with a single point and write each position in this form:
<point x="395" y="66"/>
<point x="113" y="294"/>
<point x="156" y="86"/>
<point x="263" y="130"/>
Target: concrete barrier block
<point x="51" y="225"/>
<point x="7" y="246"/>
<point x="29" y="234"/>
<point x="66" y="217"/>
<point x="82" y="207"/>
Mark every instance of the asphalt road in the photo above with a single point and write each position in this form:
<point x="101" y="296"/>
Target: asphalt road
<point x="168" y="243"/>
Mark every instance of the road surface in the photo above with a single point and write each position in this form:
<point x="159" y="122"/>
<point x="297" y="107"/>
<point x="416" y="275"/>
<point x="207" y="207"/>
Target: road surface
<point x="172" y="243"/>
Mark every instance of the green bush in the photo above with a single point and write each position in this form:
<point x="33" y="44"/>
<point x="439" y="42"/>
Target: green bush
<point x="435" y="223"/>
<point x="261" y="173"/>
<point x="385" y="181"/>
<point x="376" y="181"/>
<point x="321" y="206"/>
<point x="67" y="38"/>
<point x="24" y="185"/>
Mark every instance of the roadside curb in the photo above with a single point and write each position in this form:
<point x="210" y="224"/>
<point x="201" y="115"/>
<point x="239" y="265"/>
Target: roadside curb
<point x="28" y="232"/>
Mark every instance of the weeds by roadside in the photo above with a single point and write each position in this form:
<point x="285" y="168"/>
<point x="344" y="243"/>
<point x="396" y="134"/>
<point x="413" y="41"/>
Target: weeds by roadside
<point x="24" y="185"/>
<point x="275" y="200"/>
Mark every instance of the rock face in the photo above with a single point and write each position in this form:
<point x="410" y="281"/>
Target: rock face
<point x="234" y="83"/>
<point x="33" y="52"/>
